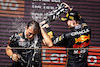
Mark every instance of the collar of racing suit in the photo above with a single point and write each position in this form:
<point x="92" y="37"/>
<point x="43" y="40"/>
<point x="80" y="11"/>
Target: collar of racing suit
<point x="77" y="27"/>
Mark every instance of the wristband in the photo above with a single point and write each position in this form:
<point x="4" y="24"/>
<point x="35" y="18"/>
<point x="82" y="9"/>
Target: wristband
<point x="11" y="56"/>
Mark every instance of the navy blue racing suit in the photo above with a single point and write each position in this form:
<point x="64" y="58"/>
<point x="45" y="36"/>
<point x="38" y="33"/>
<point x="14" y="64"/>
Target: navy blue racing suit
<point x="79" y="37"/>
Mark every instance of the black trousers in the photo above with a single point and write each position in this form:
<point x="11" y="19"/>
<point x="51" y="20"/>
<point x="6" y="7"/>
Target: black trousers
<point x="19" y="64"/>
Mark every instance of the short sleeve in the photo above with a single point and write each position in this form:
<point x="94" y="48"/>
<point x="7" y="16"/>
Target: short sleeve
<point x="13" y="40"/>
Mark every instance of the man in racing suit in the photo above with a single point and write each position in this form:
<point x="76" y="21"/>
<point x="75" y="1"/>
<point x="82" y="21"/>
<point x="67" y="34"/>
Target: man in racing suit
<point x="30" y="38"/>
<point x="79" y="37"/>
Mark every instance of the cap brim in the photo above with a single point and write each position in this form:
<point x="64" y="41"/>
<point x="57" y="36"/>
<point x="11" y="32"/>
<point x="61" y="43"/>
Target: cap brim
<point x="64" y="18"/>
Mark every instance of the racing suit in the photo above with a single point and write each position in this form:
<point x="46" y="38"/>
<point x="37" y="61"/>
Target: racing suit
<point x="28" y="57"/>
<point x="79" y="37"/>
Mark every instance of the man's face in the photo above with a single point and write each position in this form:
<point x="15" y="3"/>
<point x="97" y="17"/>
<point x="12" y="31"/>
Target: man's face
<point x="71" y="23"/>
<point x="31" y="33"/>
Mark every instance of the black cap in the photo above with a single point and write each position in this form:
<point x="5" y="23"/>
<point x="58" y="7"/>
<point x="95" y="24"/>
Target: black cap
<point x="71" y="15"/>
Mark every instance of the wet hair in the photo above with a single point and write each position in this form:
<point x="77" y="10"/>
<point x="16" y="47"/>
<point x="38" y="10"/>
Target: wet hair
<point x="34" y="24"/>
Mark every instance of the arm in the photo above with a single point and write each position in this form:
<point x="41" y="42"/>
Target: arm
<point x="47" y="40"/>
<point x="9" y="50"/>
<point x="44" y="23"/>
<point x="59" y="40"/>
<point x="10" y="53"/>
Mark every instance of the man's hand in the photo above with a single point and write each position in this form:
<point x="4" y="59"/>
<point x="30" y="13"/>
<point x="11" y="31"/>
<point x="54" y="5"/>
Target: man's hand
<point x="43" y="24"/>
<point x="66" y="6"/>
<point x="15" y="57"/>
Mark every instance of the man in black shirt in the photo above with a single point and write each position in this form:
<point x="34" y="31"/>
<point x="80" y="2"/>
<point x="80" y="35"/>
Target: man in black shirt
<point x="32" y="37"/>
